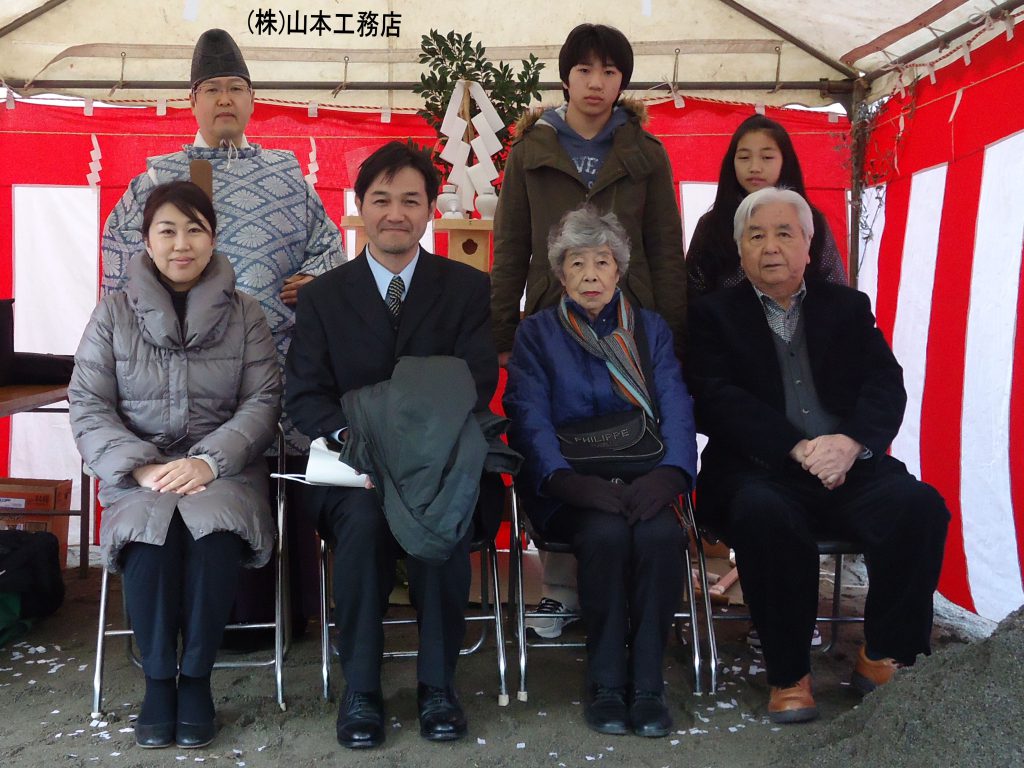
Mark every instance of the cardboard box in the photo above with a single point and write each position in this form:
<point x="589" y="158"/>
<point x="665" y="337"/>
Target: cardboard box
<point x="29" y="493"/>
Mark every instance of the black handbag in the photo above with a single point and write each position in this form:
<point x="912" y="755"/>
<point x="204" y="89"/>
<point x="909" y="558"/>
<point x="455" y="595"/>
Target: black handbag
<point x="617" y="446"/>
<point x="621" y="445"/>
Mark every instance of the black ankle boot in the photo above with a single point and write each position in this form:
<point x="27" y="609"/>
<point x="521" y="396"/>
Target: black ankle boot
<point x="195" y="725"/>
<point x="155" y="726"/>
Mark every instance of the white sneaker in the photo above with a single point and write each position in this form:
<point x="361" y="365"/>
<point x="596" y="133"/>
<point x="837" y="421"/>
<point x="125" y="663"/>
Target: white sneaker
<point x="549" y="627"/>
<point x="754" y="640"/>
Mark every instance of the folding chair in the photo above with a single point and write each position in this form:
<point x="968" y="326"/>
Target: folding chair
<point x="489" y="614"/>
<point x="282" y="612"/>
<point x="517" y="601"/>
<point x="834" y="547"/>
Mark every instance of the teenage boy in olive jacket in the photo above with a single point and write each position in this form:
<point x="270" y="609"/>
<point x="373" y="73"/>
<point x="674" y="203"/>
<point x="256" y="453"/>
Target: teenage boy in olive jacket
<point x="593" y="149"/>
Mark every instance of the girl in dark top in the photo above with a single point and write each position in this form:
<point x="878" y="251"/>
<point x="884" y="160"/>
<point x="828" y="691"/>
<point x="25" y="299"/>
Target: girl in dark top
<point x="760" y="155"/>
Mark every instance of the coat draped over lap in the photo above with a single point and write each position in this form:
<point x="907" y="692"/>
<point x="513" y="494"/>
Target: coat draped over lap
<point x="419" y="438"/>
<point x="147" y="391"/>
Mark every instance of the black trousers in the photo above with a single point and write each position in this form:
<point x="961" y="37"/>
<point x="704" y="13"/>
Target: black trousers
<point x="629" y="579"/>
<point x="901" y="522"/>
<point x="185" y="587"/>
<point x="254" y="601"/>
<point x="364" y="572"/>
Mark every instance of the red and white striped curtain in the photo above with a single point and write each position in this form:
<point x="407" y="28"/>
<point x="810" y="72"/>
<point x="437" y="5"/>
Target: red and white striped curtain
<point x="941" y="244"/>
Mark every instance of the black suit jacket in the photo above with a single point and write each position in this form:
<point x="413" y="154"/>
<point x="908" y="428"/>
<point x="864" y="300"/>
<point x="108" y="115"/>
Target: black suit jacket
<point x="343" y="337"/>
<point x="736" y="381"/>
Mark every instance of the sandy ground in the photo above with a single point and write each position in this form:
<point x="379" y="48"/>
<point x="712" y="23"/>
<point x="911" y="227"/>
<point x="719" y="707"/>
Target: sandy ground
<point x="46" y="684"/>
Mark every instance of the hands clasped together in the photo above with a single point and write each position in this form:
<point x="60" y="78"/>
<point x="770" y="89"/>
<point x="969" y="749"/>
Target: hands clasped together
<point x="184" y="476"/>
<point x="828" y="457"/>
<point x="641" y="499"/>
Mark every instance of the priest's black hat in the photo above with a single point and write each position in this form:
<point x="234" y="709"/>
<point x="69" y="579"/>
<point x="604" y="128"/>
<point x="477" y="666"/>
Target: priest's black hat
<point x="217" y="55"/>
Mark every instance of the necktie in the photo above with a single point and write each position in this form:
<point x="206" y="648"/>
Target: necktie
<point x="396" y="288"/>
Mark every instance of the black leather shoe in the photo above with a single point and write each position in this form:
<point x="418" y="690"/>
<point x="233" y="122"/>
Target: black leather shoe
<point x="441" y="715"/>
<point x="195" y="735"/>
<point x="154" y="736"/>
<point x="361" y="719"/>
<point x="605" y="710"/>
<point x="649" y="715"/>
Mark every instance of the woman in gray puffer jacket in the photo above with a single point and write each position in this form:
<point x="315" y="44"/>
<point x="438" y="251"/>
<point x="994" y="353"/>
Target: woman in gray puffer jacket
<point x="174" y="398"/>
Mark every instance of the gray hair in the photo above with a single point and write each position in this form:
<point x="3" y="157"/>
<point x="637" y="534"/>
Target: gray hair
<point x="768" y="196"/>
<point x="585" y="227"/>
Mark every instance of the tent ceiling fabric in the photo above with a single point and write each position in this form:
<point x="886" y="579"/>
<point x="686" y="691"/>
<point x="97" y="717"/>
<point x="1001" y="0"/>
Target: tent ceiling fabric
<point x="81" y="41"/>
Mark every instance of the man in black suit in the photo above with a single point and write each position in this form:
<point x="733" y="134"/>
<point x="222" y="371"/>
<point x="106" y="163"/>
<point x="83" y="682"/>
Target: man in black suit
<point x="800" y="397"/>
<point x="351" y="326"/>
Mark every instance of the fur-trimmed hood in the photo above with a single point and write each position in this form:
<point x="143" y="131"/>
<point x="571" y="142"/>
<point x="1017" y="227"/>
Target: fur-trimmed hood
<point x="528" y="119"/>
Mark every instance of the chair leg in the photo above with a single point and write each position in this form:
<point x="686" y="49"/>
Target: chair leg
<point x="837" y="594"/>
<point x="691" y="600"/>
<point x="325" y="648"/>
<point x="499" y="623"/>
<point x="485" y="596"/>
<point x="516" y="586"/>
<point x="282" y="607"/>
<point x="101" y="637"/>
<point x="709" y="624"/>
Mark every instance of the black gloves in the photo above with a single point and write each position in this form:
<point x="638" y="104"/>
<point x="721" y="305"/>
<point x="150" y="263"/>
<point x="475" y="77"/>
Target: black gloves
<point x="640" y="500"/>
<point x="649" y="494"/>
<point x="586" y="491"/>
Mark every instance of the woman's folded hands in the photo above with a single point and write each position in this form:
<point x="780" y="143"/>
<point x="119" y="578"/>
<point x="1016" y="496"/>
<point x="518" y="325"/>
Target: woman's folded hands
<point x="649" y="494"/>
<point x="586" y="491"/>
<point x="640" y="500"/>
<point x="184" y="476"/>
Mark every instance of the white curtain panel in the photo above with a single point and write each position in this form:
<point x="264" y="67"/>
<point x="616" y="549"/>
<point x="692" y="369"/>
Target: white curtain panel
<point x="990" y="535"/>
<point x="695" y="199"/>
<point x="56" y="232"/>
<point x="914" y="305"/>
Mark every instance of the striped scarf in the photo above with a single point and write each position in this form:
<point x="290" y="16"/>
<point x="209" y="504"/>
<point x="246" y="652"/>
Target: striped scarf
<point x="618" y="350"/>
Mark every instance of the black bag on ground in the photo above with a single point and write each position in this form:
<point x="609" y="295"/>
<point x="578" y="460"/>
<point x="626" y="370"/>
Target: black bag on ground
<point x="30" y="567"/>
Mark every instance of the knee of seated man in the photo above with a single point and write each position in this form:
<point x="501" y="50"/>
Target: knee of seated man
<point x="358" y="516"/>
<point x="926" y="506"/>
<point x="757" y="510"/>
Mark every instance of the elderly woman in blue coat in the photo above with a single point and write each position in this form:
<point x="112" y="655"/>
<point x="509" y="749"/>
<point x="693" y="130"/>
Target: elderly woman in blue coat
<point x="174" y="398"/>
<point x="592" y="355"/>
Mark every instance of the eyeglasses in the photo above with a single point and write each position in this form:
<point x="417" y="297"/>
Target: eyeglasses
<point x="234" y="90"/>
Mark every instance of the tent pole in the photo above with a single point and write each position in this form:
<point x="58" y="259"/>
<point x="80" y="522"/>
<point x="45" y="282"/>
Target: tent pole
<point x="838" y="66"/>
<point x="859" y="125"/>
<point x="831" y="87"/>
<point x="30" y="16"/>
<point x="941" y="41"/>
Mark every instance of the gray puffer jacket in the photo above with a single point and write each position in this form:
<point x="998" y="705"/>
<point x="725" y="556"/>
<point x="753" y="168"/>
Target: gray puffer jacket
<point x="146" y="391"/>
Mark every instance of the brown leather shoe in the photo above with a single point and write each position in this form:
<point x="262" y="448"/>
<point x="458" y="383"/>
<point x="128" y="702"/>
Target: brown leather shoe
<point x="868" y="674"/>
<point x="794" y="704"/>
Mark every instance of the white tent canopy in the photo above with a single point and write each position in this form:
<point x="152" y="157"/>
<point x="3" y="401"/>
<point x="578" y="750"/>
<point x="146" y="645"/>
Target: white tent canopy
<point x="761" y="51"/>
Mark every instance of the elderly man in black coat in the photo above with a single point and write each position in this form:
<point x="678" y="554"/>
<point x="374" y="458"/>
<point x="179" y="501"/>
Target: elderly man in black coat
<point x="800" y="397"/>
